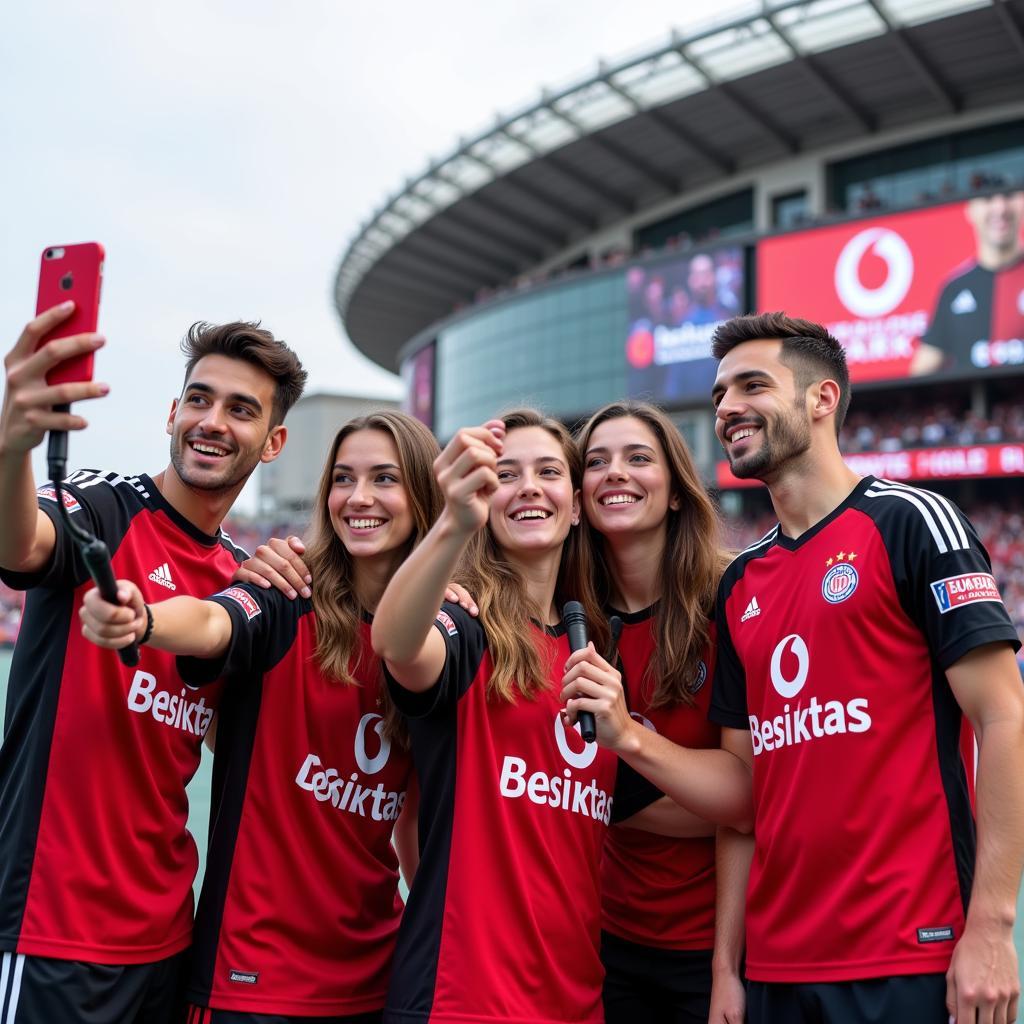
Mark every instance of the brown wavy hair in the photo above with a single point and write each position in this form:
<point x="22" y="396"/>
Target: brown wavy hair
<point x="692" y="564"/>
<point x="500" y="592"/>
<point x="336" y="602"/>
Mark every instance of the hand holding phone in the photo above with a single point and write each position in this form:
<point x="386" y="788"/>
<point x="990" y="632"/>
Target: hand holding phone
<point x="72" y="272"/>
<point x="55" y="348"/>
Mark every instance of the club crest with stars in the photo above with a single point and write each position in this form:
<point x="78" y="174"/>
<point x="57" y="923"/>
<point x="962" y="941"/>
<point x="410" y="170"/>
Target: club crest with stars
<point x="841" y="579"/>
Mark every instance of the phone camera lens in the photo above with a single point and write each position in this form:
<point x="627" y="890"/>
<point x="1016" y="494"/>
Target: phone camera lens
<point x="48" y="255"/>
<point x="67" y="281"/>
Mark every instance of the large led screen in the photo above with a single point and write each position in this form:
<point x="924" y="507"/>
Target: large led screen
<point x="418" y="378"/>
<point x="938" y="290"/>
<point x="674" y="307"/>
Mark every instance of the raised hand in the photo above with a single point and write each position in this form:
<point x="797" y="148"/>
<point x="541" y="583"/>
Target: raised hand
<point x="467" y="473"/>
<point x="27" y="412"/>
<point x="278" y="563"/>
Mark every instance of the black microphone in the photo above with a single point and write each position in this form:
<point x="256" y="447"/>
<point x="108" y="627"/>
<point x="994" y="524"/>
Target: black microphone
<point x="575" y="619"/>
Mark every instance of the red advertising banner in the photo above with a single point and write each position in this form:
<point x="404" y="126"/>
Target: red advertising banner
<point x="959" y="463"/>
<point x="929" y="291"/>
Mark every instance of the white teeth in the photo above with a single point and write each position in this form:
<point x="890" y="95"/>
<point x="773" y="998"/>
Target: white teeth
<point x="742" y="433"/>
<point x="619" y="499"/>
<point x="530" y="513"/>
<point x="205" y="449"/>
<point x="365" y="524"/>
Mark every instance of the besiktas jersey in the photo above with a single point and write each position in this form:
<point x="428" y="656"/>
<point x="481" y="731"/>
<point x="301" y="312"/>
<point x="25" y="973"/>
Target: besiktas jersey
<point x="658" y="890"/>
<point x="832" y="652"/>
<point x="95" y="861"/>
<point x="503" y="920"/>
<point x="300" y="905"/>
<point x="979" y="317"/>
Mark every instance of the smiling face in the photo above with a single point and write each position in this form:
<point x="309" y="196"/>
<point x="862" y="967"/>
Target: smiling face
<point x="535" y="503"/>
<point x="761" y="417"/>
<point x="627" y="486"/>
<point x="220" y="426"/>
<point x="368" y="504"/>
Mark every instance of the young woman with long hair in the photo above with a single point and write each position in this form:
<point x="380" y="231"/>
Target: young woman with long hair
<point x="655" y="535"/>
<point x="300" y="909"/>
<point x="503" y="920"/>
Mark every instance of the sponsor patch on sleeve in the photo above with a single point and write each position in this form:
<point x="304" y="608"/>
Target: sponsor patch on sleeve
<point x="244" y="600"/>
<point x="447" y="623"/>
<point x="956" y="591"/>
<point x="50" y="493"/>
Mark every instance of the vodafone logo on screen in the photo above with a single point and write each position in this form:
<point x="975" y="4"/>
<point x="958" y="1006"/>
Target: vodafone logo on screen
<point x="860" y="299"/>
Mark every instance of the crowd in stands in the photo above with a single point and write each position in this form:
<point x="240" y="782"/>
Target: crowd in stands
<point x="940" y="424"/>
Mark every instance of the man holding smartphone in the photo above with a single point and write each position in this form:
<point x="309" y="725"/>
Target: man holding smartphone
<point x="96" y="865"/>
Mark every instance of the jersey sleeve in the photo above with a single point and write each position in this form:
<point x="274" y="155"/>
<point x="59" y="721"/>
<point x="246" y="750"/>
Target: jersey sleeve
<point x="263" y="627"/>
<point x="633" y="793"/>
<point x="729" y="684"/>
<point x="92" y="503"/>
<point x="465" y="644"/>
<point x="944" y="576"/>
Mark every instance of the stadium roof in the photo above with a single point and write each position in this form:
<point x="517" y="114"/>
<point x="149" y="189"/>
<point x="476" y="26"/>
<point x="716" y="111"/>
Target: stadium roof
<point x="781" y="77"/>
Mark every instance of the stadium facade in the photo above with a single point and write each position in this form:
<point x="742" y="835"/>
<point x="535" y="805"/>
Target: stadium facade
<point x="853" y="161"/>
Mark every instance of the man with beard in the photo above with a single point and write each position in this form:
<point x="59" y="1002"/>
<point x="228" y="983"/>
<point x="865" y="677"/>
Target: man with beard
<point x="96" y="865"/>
<point x="853" y="638"/>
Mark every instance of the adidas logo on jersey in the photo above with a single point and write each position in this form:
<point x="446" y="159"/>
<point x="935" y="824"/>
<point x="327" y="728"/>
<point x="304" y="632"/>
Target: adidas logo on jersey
<point x="752" y="609"/>
<point x="162" y="575"/>
<point x="964" y="302"/>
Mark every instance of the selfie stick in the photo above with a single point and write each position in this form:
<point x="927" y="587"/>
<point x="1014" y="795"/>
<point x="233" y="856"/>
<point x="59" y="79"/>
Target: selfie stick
<point x="94" y="552"/>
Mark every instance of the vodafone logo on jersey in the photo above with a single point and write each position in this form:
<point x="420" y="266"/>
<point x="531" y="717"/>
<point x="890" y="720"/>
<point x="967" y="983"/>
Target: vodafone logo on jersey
<point x="561" y="792"/>
<point x="350" y="794"/>
<point x="881" y="299"/>
<point x="789" y="670"/>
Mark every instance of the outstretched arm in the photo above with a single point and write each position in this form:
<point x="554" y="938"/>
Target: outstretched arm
<point x="403" y="633"/>
<point x="181" y="625"/>
<point x="27" y="535"/>
<point x="713" y="784"/>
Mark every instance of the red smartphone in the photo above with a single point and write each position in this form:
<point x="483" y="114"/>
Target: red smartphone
<point x="71" y="272"/>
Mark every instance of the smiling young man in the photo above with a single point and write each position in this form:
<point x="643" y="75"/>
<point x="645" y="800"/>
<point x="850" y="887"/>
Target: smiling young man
<point x="96" y="865"/>
<point x="853" y="638"/>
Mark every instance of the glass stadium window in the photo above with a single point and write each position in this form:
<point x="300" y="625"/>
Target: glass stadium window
<point x="930" y="171"/>
<point x="729" y="215"/>
<point x="790" y="210"/>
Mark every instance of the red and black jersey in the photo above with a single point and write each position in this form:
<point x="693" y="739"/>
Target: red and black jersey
<point x="503" y="920"/>
<point x="832" y="652"/>
<point x="95" y="861"/>
<point x="659" y="890"/>
<point x="300" y="906"/>
<point x="978" y="319"/>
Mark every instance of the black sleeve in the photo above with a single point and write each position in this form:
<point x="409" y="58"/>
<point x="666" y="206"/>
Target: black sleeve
<point x="263" y="628"/>
<point x="633" y="793"/>
<point x="93" y="502"/>
<point x="729" y="686"/>
<point x="943" y="576"/>
<point x="466" y="643"/>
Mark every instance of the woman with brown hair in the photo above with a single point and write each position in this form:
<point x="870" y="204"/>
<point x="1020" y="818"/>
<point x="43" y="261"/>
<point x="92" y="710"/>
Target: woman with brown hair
<point x="300" y="908"/>
<point x="503" y="920"/>
<point x="655" y="537"/>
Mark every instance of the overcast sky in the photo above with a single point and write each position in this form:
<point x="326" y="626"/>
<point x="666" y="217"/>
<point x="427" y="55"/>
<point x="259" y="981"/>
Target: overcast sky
<point x="225" y="153"/>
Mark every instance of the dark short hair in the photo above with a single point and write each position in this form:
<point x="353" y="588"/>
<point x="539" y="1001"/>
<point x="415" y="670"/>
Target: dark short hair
<point x="251" y="343"/>
<point x="807" y="349"/>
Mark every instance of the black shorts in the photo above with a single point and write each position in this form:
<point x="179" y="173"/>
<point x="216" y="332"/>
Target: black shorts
<point x="41" y="990"/>
<point x="204" y="1015"/>
<point x="920" y="998"/>
<point x="647" y="985"/>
